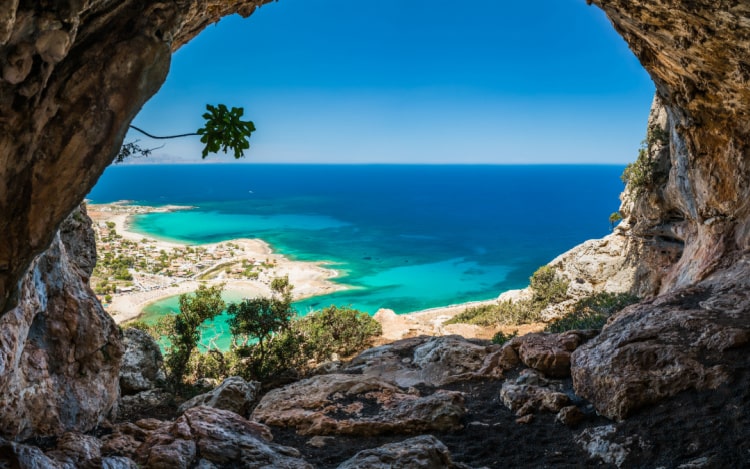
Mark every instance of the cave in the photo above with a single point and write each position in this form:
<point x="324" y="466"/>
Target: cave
<point x="75" y="74"/>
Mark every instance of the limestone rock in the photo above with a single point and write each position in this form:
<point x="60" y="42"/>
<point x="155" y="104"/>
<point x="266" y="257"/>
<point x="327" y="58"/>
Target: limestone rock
<point x="340" y="404"/>
<point x="142" y="364"/>
<point x="549" y="353"/>
<point x="657" y="349"/>
<point x="127" y="437"/>
<point x="423" y="452"/>
<point x="77" y="451"/>
<point x="209" y="437"/>
<point x="151" y="398"/>
<point x="118" y="462"/>
<point x="233" y="394"/>
<point x="599" y="443"/>
<point x="431" y="361"/>
<point x="531" y="393"/>
<point x="59" y="350"/>
<point x="570" y="415"/>
<point x="17" y="455"/>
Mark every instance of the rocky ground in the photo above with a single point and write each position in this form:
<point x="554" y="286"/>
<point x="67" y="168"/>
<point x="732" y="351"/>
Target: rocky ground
<point x="426" y="402"/>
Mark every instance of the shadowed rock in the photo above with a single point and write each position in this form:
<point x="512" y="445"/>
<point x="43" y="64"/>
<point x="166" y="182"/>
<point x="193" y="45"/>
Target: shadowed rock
<point x="233" y="394"/>
<point x="203" y="435"/>
<point x="421" y="452"/>
<point x="142" y="364"/>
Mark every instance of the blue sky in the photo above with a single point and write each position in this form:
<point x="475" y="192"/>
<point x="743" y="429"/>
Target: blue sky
<point x="412" y="81"/>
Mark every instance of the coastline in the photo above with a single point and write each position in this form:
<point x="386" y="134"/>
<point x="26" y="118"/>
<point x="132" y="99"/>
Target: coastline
<point x="309" y="278"/>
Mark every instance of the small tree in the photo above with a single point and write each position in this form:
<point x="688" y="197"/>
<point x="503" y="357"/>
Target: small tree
<point x="182" y="329"/>
<point x="340" y="330"/>
<point x="254" y="321"/>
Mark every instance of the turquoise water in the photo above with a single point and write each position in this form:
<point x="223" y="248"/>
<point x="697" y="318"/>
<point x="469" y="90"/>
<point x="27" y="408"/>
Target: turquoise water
<point x="403" y="237"/>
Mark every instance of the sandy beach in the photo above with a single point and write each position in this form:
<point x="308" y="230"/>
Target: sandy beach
<point x="309" y="279"/>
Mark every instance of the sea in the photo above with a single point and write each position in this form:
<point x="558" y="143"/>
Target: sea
<point x="403" y="237"/>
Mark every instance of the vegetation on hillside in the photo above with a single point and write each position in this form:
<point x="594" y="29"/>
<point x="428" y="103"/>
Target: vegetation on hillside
<point x="547" y="288"/>
<point x="592" y="311"/>
<point x="269" y="339"/>
<point x="644" y="173"/>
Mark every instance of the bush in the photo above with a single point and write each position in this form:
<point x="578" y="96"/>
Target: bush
<point x="592" y="312"/>
<point x="141" y="326"/>
<point x="546" y="288"/>
<point x="500" y="338"/>
<point x="644" y="173"/>
<point x="344" y="331"/>
<point x="212" y="364"/>
<point x="305" y="341"/>
<point x="506" y="313"/>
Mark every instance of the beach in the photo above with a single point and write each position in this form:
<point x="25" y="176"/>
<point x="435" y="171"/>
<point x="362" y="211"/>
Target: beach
<point x="216" y="263"/>
<point x="309" y="278"/>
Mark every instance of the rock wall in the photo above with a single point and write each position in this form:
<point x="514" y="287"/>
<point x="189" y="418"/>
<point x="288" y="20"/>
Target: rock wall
<point x="697" y="54"/>
<point x="59" y="350"/>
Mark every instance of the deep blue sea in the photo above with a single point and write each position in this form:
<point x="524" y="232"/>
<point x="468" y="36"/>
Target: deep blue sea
<point x="406" y="237"/>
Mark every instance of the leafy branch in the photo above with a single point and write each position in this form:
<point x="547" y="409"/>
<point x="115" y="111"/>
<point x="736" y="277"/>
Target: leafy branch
<point x="224" y="130"/>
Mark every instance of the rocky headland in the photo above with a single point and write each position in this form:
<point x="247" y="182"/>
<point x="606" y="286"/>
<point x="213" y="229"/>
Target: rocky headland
<point x="663" y="384"/>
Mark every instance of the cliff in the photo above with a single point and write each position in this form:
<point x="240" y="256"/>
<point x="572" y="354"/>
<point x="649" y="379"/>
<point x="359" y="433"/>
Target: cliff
<point x="74" y="74"/>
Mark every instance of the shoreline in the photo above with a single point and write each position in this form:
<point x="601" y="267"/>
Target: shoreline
<point x="309" y="278"/>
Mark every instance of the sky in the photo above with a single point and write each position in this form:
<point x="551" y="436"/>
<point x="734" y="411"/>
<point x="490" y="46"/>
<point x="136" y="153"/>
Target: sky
<point x="411" y="81"/>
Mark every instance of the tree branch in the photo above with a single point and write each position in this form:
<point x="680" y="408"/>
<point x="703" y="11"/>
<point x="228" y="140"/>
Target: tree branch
<point x="161" y="138"/>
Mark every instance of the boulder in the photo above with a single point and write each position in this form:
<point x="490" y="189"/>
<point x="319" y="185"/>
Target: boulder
<point x="76" y="450"/>
<point x="421" y="452"/>
<point x="549" y="353"/>
<point x="657" y="349"/>
<point x="430" y="361"/>
<point x="142" y="363"/>
<point x="600" y="443"/>
<point x="208" y="437"/>
<point x="570" y="416"/>
<point x="127" y="437"/>
<point x="141" y="402"/>
<point x="342" y="404"/>
<point x="17" y="455"/>
<point x="234" y="394"/>
<point x="118" y="462"/>
<point x="531" y="393"/>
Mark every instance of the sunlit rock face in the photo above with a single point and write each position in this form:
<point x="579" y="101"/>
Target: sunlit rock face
<point x="697" y="54"/>
<point x="691" y="227"/>
<point x="59" y="350"/>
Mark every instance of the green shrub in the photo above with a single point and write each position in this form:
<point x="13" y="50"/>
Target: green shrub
<point x="211" y="364"/>
<point x="304" y="341"/>
<point x="547" y="287"/>
<point x="343" y="331"/>
<point x="500" y="338"/>
<point x="592" y="312"/>
<point x="140" y="325"/>
<point x="644" y="173"/>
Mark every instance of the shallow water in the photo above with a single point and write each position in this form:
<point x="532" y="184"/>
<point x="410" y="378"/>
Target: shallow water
<point x="404" y="237"/>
